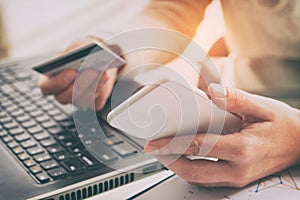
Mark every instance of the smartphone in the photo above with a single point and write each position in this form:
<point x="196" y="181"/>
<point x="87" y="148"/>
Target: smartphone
<point x="93" y="55"/>
<point x="168" y="109"/>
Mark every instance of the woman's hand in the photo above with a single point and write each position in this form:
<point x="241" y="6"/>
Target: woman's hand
<point x="91" y="89"/>
<point x="268" y="142"/>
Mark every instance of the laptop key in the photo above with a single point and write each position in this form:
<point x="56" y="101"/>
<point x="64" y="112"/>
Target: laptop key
<point x="89" y="159"/>
<point x="35" y="169"/>
<point x="23" y="156"/>
<point x="8" y="77"/>
<point x="47" y="107"/>
<point x="105" y="153"/>
<point x="35" y="150"/>
<point x="48" y="124"/>
<point x="42" y="103"/>
<point x="12" y="144"/>
<point x="29" y="163"/>
<point x="35" y="129"/>
<point x="10" y="125"/>
<point x="5" y="120"/>
<point x="18" y="98"/>
<point x="17" y="150"/>
<point x="23" y="118"/>
<point x="21" y="87"/>
<point x="7" y="139"/>
<point x="6" y="104"/>
<point x="30" y="84"/>
<point x="17" y="113"/>
<point x="42" y="118"/>
<point x="48" y="142"/>
<point x="54" y="112"/>
<point x="7" y="89"/>
<point x="55" y="149"/>
<point x="76" y="148"/>
<point x="25" y="104"/>
<point x="67" y="123"/>
<point x="42" y="157"/>
<point x="55" y="130"/>
<point x="12" y="108"/>
<point x="15" y="95"/>
<point x="124" y="149"/>
<point x="36" y="113"/>
<point x="3" y="133"/>
<point x="113" y="140"/>
<point x="88" y="141"/>
<point x="42" y="136"/>
<point x="28" y="124"/>
<point x="22" y="137"/>
<point x="60" y="117"/>
<point x="42" y="177"/>
<point x="20" y="75"/>
<point x="73" y="164"/>
<point x="30" y="108"/>
<point x="16" y="131"/>
<point x="50" y="164"/>
<point x="67" y="143"/>
<point x="62" y="156"/>
<point x="62" y="136"/>
<point x="2" y="113"/>
<point x="57" y="172"/>
<point x="28" y="144"/>
<point x="109" y="131"/>
<point x="37" y="98"/>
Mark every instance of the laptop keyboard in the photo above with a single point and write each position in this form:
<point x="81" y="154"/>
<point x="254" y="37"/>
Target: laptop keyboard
<point x="43" y="137"/>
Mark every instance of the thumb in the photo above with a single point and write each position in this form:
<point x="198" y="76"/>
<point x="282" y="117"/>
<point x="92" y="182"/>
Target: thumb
<point x="240" y="102"/>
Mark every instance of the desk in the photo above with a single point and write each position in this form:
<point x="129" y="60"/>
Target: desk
<point x="282" y="185"/>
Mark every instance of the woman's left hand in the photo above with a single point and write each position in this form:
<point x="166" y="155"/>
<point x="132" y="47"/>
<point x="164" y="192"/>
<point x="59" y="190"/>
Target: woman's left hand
<point x="269" y="141"/>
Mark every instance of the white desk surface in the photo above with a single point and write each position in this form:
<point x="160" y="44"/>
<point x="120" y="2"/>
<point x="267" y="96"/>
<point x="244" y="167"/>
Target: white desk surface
<point x="282" y="185"/>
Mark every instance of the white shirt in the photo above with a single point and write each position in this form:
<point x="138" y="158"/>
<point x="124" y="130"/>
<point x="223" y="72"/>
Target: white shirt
<point x="258" y="28"/>
<point x="265" y="37"/>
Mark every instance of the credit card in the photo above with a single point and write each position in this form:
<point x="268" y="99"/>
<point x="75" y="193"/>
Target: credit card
<point x="93" y="56"/>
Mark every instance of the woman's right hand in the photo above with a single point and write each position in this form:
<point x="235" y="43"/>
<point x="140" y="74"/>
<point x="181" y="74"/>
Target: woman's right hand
<point x="91" y="89"/>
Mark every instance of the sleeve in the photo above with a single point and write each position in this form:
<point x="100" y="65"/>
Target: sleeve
<point x="179" y="19"/>
<point x="180" y="15"/>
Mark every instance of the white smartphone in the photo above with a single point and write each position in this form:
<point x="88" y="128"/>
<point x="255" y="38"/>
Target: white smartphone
<point x="168" y="109"/>
<point x="93" y="55"/>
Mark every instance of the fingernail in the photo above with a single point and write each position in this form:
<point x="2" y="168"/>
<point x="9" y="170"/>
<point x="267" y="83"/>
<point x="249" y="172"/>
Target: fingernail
<point x="217" y="91"/>
<point x="69" y="77"/>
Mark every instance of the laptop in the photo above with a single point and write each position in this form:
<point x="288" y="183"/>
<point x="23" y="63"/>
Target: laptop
<point x="48" y="154"/>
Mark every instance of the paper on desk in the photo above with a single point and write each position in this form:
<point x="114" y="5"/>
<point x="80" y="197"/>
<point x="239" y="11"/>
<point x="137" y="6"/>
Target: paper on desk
<point x="284" y="185"/>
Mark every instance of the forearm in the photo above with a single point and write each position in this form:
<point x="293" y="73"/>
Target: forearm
<point x="182" y="16"/>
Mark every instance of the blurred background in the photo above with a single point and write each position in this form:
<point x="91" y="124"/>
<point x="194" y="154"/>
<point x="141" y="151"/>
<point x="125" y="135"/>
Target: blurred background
<point x="34" y="27"/>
